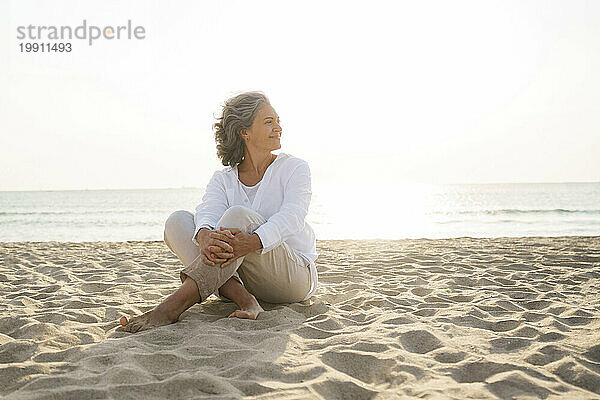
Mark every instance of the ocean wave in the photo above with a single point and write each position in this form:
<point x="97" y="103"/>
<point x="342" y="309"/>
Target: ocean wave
<point x="79" y="212"/>
<point x="519" y="211"/>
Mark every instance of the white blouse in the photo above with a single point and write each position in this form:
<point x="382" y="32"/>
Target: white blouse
<point x="282" y="198"/>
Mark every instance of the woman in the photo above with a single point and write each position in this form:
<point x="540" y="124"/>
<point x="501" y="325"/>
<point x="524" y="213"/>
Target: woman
<point x="248" y="239"/>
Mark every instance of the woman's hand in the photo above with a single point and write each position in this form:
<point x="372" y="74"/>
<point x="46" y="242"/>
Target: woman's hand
<point x="214" y="249"/>
<point x="241" y="242"/>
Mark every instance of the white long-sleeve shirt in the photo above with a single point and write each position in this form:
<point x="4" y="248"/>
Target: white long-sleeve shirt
<point x="283" y="198"/>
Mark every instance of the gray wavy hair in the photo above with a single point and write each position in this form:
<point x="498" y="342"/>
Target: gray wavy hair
<point x="238" y="113"/>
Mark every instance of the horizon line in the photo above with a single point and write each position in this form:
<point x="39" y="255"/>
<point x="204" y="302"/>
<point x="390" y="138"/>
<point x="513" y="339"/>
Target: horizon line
<point x="198" y="187"/>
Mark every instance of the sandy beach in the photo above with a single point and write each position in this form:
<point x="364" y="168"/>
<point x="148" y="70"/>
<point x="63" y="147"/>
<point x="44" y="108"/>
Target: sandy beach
<point x="508" y="318"/>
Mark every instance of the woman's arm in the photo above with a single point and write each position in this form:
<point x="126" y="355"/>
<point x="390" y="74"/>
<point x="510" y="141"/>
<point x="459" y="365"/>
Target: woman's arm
<point x="212" y="207"/>
<point x="289" y="220"/>
<point x="208" y="212"/>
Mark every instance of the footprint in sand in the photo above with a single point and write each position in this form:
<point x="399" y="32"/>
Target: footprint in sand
<point x="17" y="351"/>
<point x="509" y="344"/>
<point x="334" y="389"/>
<point x="364" y="367"/>
<point x="449" y="356"/>
<point x="546" y="355"/>
<point x="419" y="341"/>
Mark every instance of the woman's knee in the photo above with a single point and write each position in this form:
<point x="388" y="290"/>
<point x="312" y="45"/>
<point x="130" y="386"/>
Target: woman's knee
<point x="176" y="222"/>
<point x="234" y="216"/>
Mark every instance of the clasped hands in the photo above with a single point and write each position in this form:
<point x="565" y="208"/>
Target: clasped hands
<point x="224" y="246"/>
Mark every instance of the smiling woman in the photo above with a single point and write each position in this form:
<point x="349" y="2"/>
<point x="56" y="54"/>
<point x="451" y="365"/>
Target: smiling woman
<point x="248" y="239"/>
<point x="240" y="113"/>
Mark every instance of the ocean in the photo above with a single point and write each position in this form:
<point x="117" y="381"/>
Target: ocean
<point x="336" y="212"/>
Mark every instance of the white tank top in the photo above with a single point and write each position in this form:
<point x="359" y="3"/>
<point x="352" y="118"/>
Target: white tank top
<point x="251" y="190"/>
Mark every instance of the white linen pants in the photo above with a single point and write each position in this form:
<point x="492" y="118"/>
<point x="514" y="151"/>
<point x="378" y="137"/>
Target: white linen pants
<point x="278" y="276"/>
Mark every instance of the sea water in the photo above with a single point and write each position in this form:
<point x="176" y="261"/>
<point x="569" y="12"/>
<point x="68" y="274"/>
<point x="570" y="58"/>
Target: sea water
<point x="336" y="212"/>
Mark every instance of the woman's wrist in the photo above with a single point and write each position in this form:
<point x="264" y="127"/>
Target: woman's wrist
<point x="256" y="243"/>
<point x="202" y="231"/>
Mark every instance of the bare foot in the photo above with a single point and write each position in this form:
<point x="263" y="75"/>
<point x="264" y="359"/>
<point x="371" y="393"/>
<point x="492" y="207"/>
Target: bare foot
<point x="250" y="311"/>
<point x="149" y="320"/>
<point x="166" y="312"/>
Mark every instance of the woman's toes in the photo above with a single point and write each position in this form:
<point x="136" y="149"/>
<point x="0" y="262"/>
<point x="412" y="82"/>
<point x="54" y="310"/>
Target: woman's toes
<point x="243" y="314"/>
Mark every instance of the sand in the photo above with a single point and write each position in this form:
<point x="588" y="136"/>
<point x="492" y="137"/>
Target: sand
<point x="509" y="318"/>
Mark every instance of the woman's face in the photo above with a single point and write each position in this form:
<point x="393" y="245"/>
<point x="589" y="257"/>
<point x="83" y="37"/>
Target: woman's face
<point x="265" y="132"/>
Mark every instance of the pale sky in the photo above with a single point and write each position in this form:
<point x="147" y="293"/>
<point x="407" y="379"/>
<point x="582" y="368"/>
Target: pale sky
<point x="370" y="91"/>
